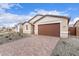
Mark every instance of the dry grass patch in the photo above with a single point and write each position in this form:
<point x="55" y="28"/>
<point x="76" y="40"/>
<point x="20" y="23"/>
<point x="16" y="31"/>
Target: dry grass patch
<point x="9" y="37"/>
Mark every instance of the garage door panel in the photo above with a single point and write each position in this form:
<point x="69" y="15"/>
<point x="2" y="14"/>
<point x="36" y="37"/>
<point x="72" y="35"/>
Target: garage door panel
<point x="49" y="29"/>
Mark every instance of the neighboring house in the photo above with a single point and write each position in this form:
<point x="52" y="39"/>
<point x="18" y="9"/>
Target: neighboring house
<point x="18" y="27"/>
<point x="72" y="31"/>
<point x="51" y="25"/>
<point x="15" y="28"/>
<point x="77" y="27"/>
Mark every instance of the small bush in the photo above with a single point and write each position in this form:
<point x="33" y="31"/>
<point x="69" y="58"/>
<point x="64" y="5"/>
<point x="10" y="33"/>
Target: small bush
<point x="64" y="42"/>
<point x="6" y="36"/>
<point x="21" y="35"/>
<point x="10" y="38"/>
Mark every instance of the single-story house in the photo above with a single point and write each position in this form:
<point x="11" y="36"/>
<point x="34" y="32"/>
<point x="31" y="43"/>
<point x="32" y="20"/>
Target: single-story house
<point x="51" y="25"/>
<point x="72" y="28"/>
<point x="18" y="27"/>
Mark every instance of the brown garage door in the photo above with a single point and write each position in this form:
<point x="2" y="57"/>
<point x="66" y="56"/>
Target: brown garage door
<point x="49" y="29"/>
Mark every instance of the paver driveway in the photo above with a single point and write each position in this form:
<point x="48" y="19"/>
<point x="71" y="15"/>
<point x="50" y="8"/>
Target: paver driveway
<point x="34" y="45"/>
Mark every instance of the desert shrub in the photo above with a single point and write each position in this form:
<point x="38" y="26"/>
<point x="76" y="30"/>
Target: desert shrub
<point x="64" y="42"/>
<point x="6" y="36"/>
<point x="10" y="38"/>
<point x="20" y="34"/>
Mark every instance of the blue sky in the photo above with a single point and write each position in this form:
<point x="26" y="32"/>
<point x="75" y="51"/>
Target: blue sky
<point x="19" y="12"/>
<point x="72" y="9"/>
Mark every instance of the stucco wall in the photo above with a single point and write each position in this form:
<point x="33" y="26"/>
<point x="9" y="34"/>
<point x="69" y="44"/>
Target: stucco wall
<point x="77" y="28"/>
<point x="77" y="31"/>
<point x="17" y="28"/>
<point x="29" y="31"/>
<point x="63" y="25"/>
<point x="36" y="18"/>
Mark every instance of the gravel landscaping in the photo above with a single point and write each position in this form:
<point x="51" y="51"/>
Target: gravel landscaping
<point x="67" y="47"/>
<point x="30" y="46"/>
<point x="38" y="45"/>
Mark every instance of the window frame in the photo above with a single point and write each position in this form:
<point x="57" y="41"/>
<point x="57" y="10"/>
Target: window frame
<point x="26" y="27"/>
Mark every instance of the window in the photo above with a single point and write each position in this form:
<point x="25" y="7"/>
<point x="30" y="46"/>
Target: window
<point x="26" y="27"/>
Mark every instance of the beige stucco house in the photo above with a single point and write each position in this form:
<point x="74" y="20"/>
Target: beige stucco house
<point x="51" y="25"/>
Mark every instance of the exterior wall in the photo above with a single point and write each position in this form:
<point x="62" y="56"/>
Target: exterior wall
<point x="77" y="31"/>
<point x="63" y="25"/>
<point x="29" y="30"/>
<point x="72" y="31"/>
<point x="21" y="28"/>
<point x="77" y="28"/>
<point x="36" y="18"/>
<point x="17" y="28"/>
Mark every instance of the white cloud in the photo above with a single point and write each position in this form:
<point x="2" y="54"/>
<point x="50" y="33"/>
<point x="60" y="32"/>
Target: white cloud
<point x="5" y="6"/>
<point x="75" y="19"/>
<point x="51" y="12"/>
<point x="18" y="5"/>
<point x="2" y="11"/>
<point x="71" y="9"/>
<point x="12" y="18"/>
<point x="72" y="22"/>
<point x="8" y="18"/>
<point x="9" y="5"/>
